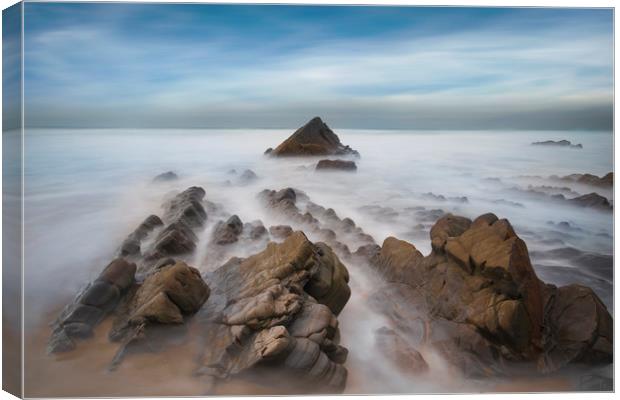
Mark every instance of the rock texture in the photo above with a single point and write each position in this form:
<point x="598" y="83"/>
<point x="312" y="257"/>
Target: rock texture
<point x="338" y="165"/>
<point x="183" y="215"/>
<point x="477" y="299"/>
<point x="142" y="289"/>
<point x="313" y="139"/>
<point x="166" y="296"/>
<point x="559" y="143"/>
<point x="276" y="311"/>
<point x="91" y="306"/>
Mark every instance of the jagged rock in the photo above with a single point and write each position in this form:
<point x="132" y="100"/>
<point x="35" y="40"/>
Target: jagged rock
<point x="166" y="177"/>
<point x="186" y="207"/>
<point x="183" y="214"/>
<point x="393" y="258"/>
<point x="313" y="139"/>
<point x="227" y="232"/>
<point x="480" y="301"/>
<point x="559" y="143"/>
<point x="280" y="231"/>
<point x="166" y="296"/>
<point x="592" y="200"/>
<point x="131" y="245"/>
<point x="91" y="305"/>
<point x="340" y="165"/>
<point x="276" y="310"/>
<point x="446" y="227"/>
<point x="396" y="349"/>
<point x="588" y="179"/>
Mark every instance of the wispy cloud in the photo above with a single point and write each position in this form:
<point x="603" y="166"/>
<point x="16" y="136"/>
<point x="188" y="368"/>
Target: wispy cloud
<point x="545" y="69"/>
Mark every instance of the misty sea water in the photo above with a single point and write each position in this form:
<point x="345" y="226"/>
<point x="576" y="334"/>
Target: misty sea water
<point x="85" y="190"/>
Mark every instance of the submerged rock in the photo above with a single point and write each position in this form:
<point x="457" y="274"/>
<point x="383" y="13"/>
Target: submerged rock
<point x="276" y="311"/>
<point x="166" y="177"/>
<point x="313" y="139"/>
<point x="396" y="349"/>
<point x="341" y="165"/>
<point x="248" y="176"/>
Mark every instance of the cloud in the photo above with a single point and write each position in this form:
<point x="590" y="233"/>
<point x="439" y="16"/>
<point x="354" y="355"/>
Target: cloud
<point x="555" y="75"/>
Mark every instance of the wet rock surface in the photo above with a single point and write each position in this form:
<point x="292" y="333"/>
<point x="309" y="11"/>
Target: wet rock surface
<point x="315" y="138"/>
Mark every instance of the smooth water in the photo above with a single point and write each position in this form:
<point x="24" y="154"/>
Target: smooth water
<point x="87" y="189"/>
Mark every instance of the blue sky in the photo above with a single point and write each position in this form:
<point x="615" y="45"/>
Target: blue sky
<point x="175" y="65"/>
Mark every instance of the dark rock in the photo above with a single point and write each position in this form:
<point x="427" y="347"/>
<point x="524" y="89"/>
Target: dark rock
<point x="91" y="306"/>
<point x="313" y="139"/>
<point x="227" y="232"/>
<point x="257" y="230"/>
<point x="589" y="179"/>
<point x="131" y="246"/>
<point x="592" y="200"/>
<point x="166" y="177"/>
<point x="559" y="143"/>
<point x="340" y="165"/>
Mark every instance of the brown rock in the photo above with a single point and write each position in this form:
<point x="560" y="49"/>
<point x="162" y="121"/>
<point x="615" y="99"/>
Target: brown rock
<point x="313" y="139"/>
<point x="276" y="311"/>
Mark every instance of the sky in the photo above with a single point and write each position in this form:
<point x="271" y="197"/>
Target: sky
<point x="250" y="66"/>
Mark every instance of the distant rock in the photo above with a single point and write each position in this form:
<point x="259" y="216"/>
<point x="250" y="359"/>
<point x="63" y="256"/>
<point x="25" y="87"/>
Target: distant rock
<point x="313" y="139"/>
<point x="592" y="200"/>
<point x="91" y="306"/>
<point x="166" y="177"/>
<point x="559" y="143"/>
<point x="248" y="176"/>
<point x="340" y="165"/>
<point x="588" y="179"/>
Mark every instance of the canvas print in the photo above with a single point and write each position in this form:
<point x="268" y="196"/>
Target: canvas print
<point x="225" y="199"/>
